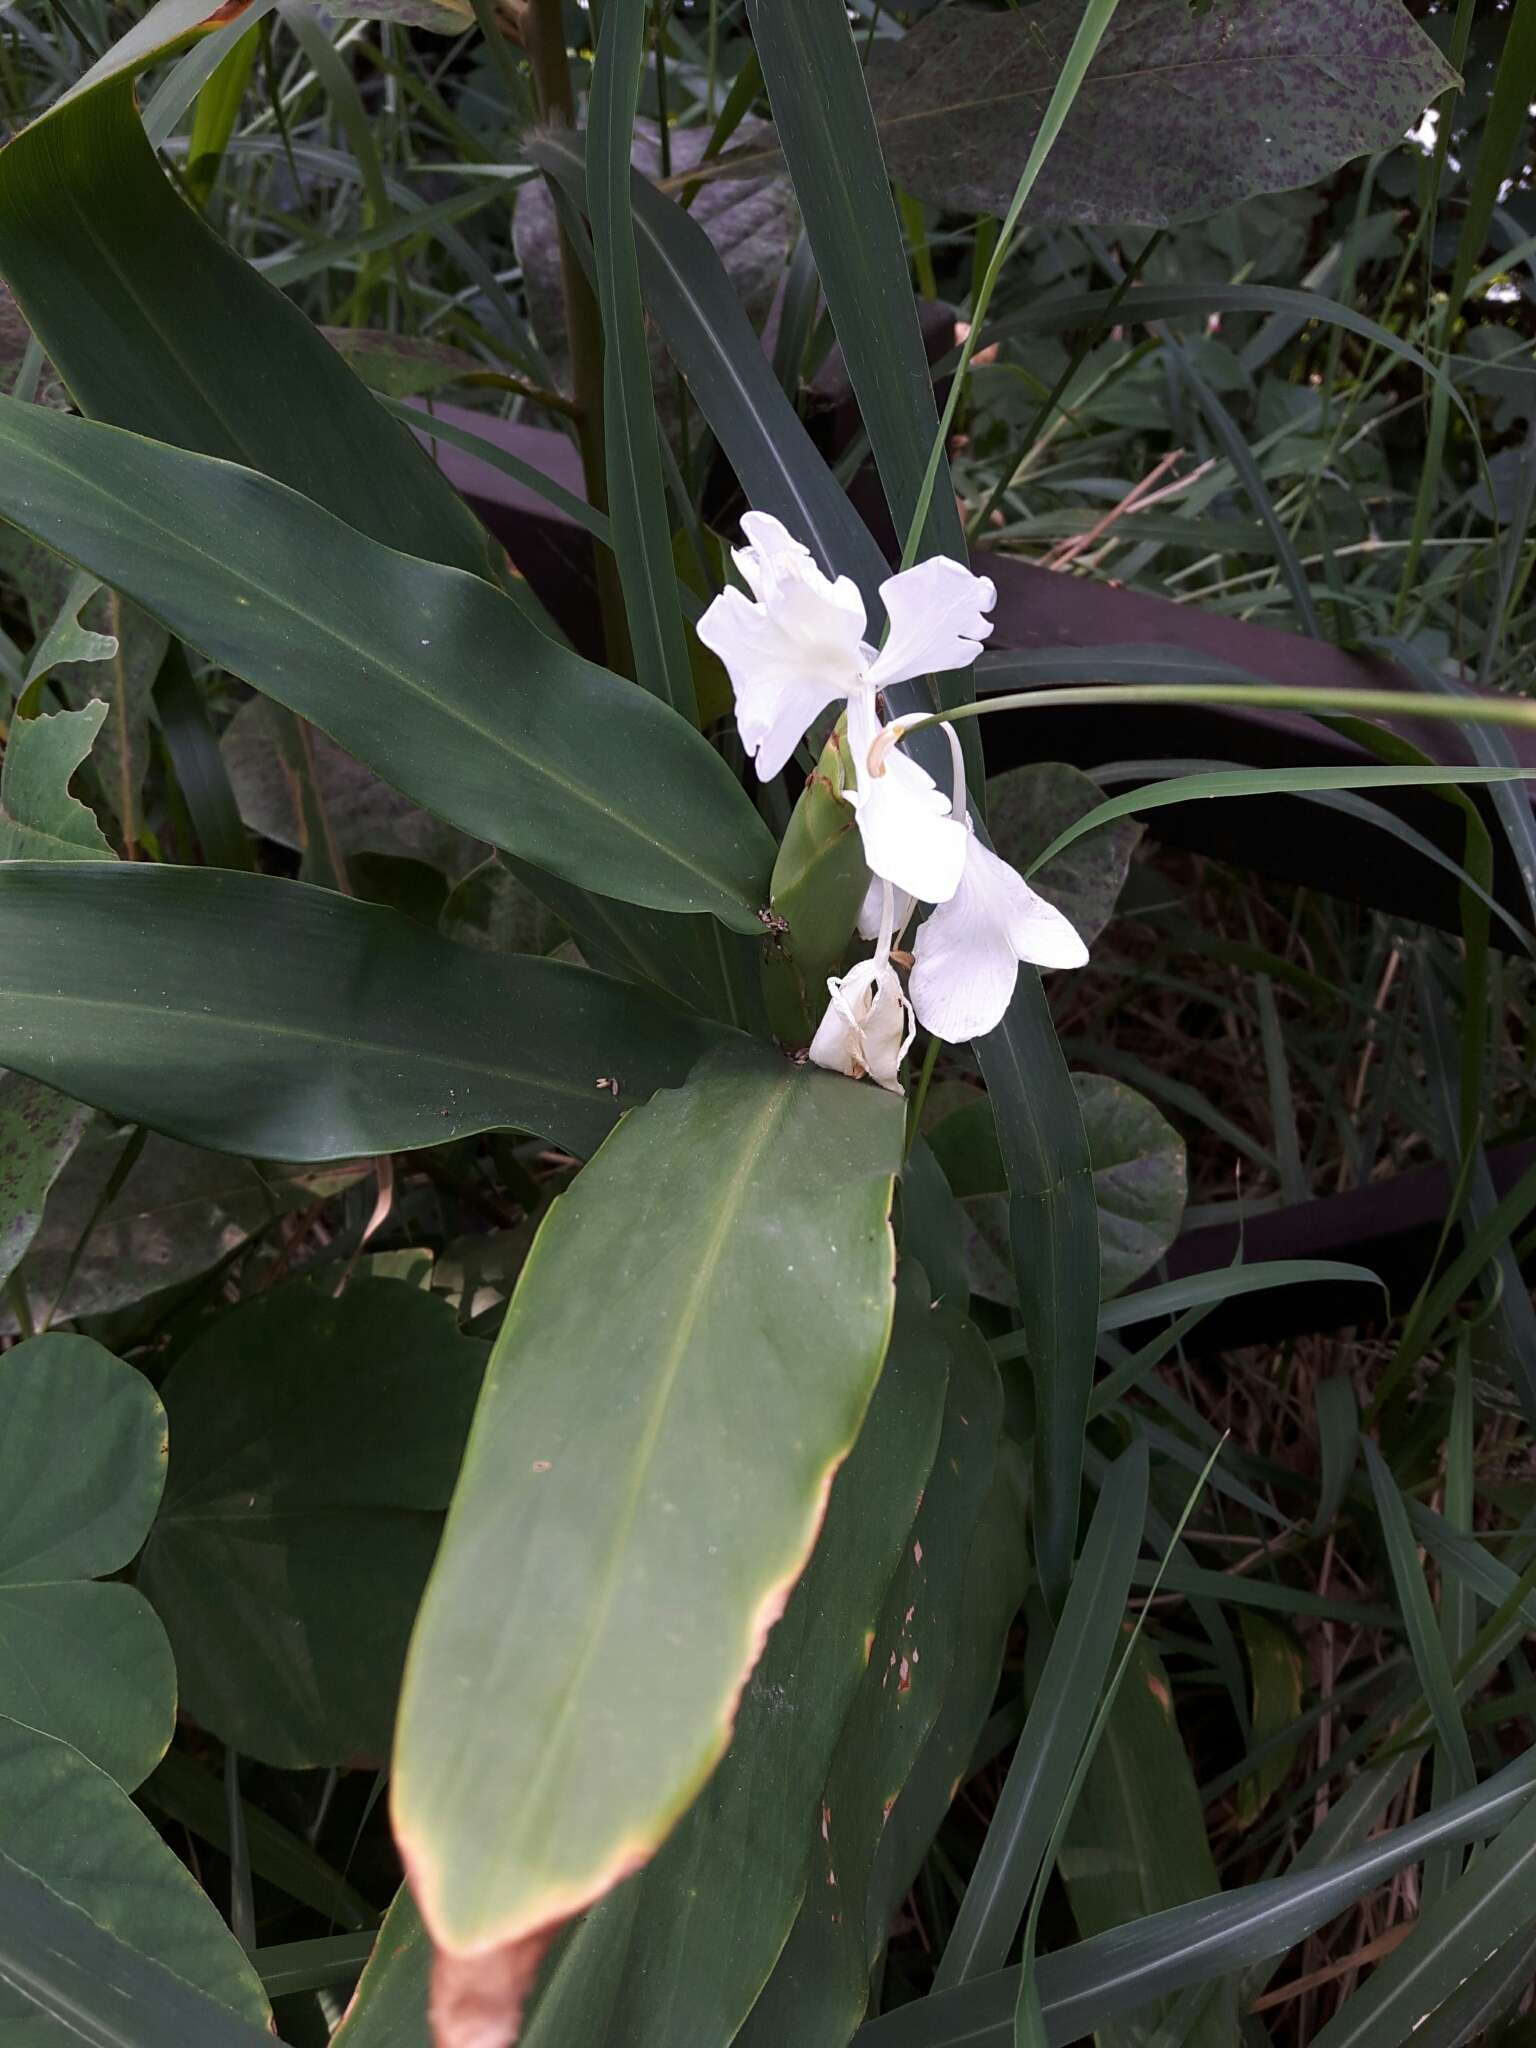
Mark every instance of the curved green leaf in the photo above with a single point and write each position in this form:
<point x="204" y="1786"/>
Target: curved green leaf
<point x="82" y="1463"/>
<point x="1062" y="1709"/>
<point x="182" y="340"/>
<point x="1083" y="1986"/>
<point x="105" y="1935"/>
<point x="266" y="1018"/>
<point x="1454" y="1937"/>
<point x="685" y="1364"/>
<point x="436" y="680"/>
<point x="712" y="1910"/>
<point x="692" y="300"/>
<point x="314" y="1445"/>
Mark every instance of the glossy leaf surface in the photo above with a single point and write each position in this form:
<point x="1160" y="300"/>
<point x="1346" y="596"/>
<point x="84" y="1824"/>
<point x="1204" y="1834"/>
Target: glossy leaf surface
<point x="437" y="681"/>
<point x="262" y="1017"/>
<point x="686" y="1362"/>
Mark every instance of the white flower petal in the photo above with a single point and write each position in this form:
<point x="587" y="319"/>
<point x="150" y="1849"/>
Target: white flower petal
<point x="965" y="969"/>
<point x="910" y="839"/>
<point x="937" y="612"/>
<point x="868" y="1025"/>
<point x="967" y="954"/>
<point x="1038" y="931"/>
<point x="797" y="649"/>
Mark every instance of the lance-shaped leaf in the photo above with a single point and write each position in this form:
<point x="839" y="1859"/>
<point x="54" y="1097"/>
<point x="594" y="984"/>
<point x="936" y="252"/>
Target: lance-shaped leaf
<point x="687" y="1955"/>
<point x="1206" y="105"/>
<point x="439" y="682"/>
<point x="681" y="1950"/>
<point x="187" y="343"/>
<point x="82" y="1462"/>
<point x="685" y="1364"/>
<point x="277" y="1021"/>
<point x="105" y="1935"/>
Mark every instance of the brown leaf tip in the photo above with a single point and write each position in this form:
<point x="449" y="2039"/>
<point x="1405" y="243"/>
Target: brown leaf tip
<point x="477" y="2001"/>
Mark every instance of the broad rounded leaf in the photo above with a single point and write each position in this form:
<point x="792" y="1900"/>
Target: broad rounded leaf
<point x="1138" y="1178"/>
<point x="69" y="1825"/>
<point x="685" y="1364"/>
<point x="262" y="1017"/>
<point x="82" y="1464"/>
<point x="314" y="1444"/>
<point x="1138" y="1183"/>
<point x="1205" y="105"/>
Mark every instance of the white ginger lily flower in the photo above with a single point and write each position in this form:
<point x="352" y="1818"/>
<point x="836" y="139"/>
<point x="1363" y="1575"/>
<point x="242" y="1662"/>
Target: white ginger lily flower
<point x="868" y="1027"/>
<point x="967" y="953"/>
<point x="798" y="644"/>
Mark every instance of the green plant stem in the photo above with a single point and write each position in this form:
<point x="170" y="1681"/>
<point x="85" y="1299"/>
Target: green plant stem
<point x="544" y="39"/>
<point x="920" y="1094"/>
<point x="1273" y="696"/>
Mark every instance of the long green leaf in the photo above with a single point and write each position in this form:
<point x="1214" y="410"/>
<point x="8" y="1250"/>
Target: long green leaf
<point x="1062" y="1709"/>
<point x="435" y="679"/>
<point x="1419" y="1619"/>
<point x="73" y="1973"/>
<point x="262" y="1017"/>
<point x="811" y="63"/>
<point x="104" y="1932"/>
<point x="1053" y="1233"/>
<point x="690" y="296"/>
<point x="155" y="324"/>
<point x="685" y="1363"/>
<point x="827" y="130"/>
<point x="1490" y="1905"/>
<point x="1230" y="782"/>
<point x="1084" y="1986"/>
<point x="637" y="501"/>
<point x="819" y="1990"/>
<point x="689" y="1954"/>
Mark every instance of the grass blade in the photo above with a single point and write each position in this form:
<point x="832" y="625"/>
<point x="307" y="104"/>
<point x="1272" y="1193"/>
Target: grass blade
<point x="1027" y="1812"/>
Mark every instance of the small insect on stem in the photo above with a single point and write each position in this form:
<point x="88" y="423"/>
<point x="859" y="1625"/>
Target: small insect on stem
<point x="608" y="1082"/>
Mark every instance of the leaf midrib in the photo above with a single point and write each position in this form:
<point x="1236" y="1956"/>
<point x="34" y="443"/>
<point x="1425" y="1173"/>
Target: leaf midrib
<point x="755" y="1143"/>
